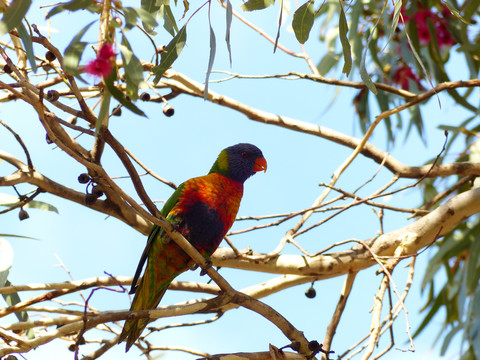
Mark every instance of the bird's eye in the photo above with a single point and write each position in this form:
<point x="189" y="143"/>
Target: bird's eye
<point x="244" y="154"/>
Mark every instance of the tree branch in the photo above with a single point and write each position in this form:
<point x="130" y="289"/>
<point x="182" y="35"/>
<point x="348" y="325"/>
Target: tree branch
<point x="412" y="238"/>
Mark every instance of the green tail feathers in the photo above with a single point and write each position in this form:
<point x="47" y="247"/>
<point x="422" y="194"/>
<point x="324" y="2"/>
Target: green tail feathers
<point x="143" y="300"/>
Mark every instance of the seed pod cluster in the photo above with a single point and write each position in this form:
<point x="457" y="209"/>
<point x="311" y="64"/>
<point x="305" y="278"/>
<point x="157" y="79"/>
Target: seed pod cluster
<point x="93" y="191"/>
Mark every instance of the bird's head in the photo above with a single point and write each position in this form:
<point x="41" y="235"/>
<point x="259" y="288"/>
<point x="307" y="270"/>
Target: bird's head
<point x="239" y="162"/>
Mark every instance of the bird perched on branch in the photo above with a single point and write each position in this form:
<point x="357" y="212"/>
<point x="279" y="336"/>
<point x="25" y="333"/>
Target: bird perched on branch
<point x="202" y="209"/>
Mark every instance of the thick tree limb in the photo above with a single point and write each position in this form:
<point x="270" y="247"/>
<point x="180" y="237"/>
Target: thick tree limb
<point x="412" y="238"/>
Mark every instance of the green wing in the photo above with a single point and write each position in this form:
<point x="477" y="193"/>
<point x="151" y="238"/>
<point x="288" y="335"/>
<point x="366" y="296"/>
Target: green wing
<point x="170" y="203"/>
<point x="154" y="233"/>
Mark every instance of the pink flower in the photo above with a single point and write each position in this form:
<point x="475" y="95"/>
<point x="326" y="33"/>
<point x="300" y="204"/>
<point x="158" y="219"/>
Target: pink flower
<point x="402" y="76"/>
<point x="421" y="18"/>
<point x="406" y="18"/>
<point x="102" y="65"/>
<point x="446" y="13"/>
<point x="443" y="35"/>
<point x="106" y="52"/>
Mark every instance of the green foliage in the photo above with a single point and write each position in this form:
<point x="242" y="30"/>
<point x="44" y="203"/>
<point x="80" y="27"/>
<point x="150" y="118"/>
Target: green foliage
<point x="347" y="51"/>
<point x="27" y="43"/>
<point x="73" y="5"/>
<point x="251" y="5"/>
<point x="74" y="51"/>
<point x="171" y="53"/>
<point x="211" y="58"/>
<point x="10" y="200"/>
<point x="6" y="260"/>
<point x="120" y="95"/>
<point x="133" y="68"/>
<point x="12" y="18"/>
<point x="13" y="15"/>
<point x="303" y="21"/>
<point x="408" y="45"/>
<point x="228" y="26"/>
<point x="459" y="256"/>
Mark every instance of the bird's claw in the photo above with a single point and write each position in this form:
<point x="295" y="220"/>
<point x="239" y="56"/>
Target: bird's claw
<point x="193" y="266"/>
<point x="208" y="265"/>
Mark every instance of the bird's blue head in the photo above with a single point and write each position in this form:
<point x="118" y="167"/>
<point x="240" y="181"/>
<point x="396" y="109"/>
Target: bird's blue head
<point x="239" y="162"/>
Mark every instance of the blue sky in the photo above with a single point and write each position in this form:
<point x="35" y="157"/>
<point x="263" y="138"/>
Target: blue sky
<point x="185" y="146"/>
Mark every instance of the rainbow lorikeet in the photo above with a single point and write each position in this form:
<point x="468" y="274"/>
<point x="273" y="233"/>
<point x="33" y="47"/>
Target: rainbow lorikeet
<point x="202" y="209"/>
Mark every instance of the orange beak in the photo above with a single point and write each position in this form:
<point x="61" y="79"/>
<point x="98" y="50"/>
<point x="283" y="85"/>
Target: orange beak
<point x="260" y="165"/>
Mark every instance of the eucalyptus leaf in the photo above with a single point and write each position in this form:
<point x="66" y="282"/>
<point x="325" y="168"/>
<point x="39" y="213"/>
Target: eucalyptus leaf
<point x="438" y="302"/>
<point x="13" y="299"/>
<point x="120" y="96"/>
<point x="171" y="53"/>
<point x="396" y="17"/>
<point x="74" y="51"/>
<point x="228" y="27"/>
<point x="448" y="338"/>
<point x="148" y="20"/>
<point x="365" y="76"/>
<point x="449" y="248"/>
<point x="211" y="59"/>
<point x="383" y="100"/>
<point x="416" y="121"/>
<point x="13" y="15"/>
<point x="473" y="268"/>
<point x="252" y="5"/>
<point x="133" y="68"/>
<point x="131" y="17"/>
<point x="103" y="113"/>
<point x="150" y="6"/>
<point x="363" y="69"/>
<point x="170" y="23"/>
<point x="73" y="5"/>
<point x="27" y="43"/>
<point x="355" y="38"/>
<point x="6" y="260"/>
<point x="456" y="13"/>
<point x="328" y="61"/>
<point x="10" y="200"/>
<point x="347" y="51"/>
<point x="303" y="21"/>
<point x="18" y="236"/>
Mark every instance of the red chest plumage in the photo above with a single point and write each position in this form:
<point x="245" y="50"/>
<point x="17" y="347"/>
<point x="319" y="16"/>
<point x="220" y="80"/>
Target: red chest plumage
<point x="203" y="201"/>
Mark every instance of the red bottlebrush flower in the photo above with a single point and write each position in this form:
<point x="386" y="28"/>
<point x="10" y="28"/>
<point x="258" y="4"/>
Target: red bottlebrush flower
<point x="406" y="18"/>
<point x="106" y="52"/>
<point x="421" y="19"/>
<point x="403" y="75"/>
<point x="444" y="37"/>
<point x="102" y="65"/>
<point x="446" y="13"/>
<point x="99" y="68"/>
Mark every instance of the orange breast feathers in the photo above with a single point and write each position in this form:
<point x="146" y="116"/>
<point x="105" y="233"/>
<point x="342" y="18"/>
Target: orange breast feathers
<point x="217" y="192"/>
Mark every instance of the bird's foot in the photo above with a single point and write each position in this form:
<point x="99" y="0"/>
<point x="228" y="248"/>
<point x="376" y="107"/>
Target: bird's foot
<point x="193" y="265"/>
<point x="208" y="265"/>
